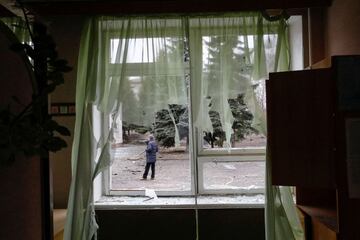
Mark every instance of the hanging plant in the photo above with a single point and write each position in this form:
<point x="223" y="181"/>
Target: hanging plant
<point x="33" y="131"/>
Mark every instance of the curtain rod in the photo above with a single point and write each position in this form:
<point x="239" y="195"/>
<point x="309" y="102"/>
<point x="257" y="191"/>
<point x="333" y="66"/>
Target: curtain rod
<point x="270" y="15"/>
<point x="175" y="15"/>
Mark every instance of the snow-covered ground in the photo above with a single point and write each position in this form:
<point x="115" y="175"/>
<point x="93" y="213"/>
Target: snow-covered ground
<point x="173" y="171"/>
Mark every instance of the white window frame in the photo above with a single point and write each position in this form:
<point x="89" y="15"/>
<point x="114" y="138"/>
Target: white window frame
<point x="132" y="69"/>
<point x="197" y="159"/>
<point x="246" y="154"/>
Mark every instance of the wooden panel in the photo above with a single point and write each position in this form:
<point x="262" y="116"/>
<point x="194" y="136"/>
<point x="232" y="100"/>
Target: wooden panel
<point x="328" y="217"/>
<point x="349" y="209"/>
<point x="347" y="71"/>
<point x="300" y="109"/>
<point x="59" y="236"/>
<point x="349" y="221"/>
<point x="325" y="198"/>
<point x="321" y="232"/>
<point x="317" y="34"/>
<point x="324" y="63"/>
<point x="305" y="221"/>
<point x="59" y="219"/>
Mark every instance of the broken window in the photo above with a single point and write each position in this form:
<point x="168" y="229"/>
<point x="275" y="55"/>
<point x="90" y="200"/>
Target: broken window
<point x="197" y="85"/>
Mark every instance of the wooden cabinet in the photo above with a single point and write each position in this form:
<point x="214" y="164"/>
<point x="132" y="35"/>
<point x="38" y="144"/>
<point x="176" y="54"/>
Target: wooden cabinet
<point x="300" y="113"/>
<point x="308" y="140"/>
<point x="321" y="232"/>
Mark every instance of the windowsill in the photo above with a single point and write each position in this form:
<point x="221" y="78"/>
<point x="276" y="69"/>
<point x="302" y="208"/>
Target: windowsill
<point x="203" y="202"/>
<point x="247" y="151"/>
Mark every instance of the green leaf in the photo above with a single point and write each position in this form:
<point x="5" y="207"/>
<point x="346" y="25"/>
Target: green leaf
<point x="56" y="77"/>
<point x="17" y="47"/>
<point x="43" y="153"/>
<point x="64" y="69"/>
<point x="6" y="156"/>
<point x="29" y="51"/>
<point x="50" y="88"/>
<point x="32" y="132"/>
<point x="63" y="130"/>
<point x="55" y="144"/>
<point x="60" y="63"/>
<point x="51" y="125"/>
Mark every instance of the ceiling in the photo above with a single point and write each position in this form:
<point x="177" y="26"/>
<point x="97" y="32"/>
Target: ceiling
<point x="92" y="7"/>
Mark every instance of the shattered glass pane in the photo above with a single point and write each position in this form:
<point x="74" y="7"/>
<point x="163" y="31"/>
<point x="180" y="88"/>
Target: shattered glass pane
<point x="234" y="175"/>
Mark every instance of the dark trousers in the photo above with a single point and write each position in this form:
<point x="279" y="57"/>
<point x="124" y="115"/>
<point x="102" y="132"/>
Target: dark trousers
<point x="147" y="170"/>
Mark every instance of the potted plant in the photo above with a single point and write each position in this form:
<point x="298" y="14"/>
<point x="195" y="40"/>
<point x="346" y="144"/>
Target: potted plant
<point x="32" y="131"/>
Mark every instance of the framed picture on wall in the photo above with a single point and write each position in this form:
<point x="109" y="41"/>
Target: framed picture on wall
<point x="62" y="109"/>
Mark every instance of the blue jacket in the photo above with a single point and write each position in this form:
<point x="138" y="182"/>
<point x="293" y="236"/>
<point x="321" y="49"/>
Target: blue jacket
<point x="151" y="151"/>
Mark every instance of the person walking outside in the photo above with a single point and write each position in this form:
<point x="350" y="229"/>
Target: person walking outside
<point x="151" y="151"/>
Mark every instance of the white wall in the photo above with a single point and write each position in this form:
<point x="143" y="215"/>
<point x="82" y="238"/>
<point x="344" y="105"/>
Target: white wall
<point x="296" y="42"/>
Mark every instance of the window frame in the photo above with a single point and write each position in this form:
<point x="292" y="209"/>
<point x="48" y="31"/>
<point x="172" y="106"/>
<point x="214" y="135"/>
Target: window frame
<point x="198" y="156"/>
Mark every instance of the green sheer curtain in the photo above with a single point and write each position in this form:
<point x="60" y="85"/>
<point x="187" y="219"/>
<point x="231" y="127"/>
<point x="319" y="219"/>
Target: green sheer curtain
<point x="281" y="218"/>
<point x="232" y="55"/>
<point x="113" y="51"/>
<point x="229" y="55"/>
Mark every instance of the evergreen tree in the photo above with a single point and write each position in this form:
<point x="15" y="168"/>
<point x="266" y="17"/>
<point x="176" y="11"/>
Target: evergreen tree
<point x="219" y="64"/>
<point x="147" y="101"/>
<point x="217" y="137"/>
<point x="164" y="129"/>
<point x="167" y="92"/>
<point x="128" y="107"/>
<point x="128" y="100"/>
<point x="242" y="118"/>
<point x="181" y="114"/>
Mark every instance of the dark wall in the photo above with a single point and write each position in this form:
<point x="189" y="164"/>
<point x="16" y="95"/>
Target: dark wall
<point x="21" y="181"/>
<point x="66" y="31"/>
<point x="342" y="29"/>
<point x="239" y="224"/>
<point x="180" y="224"/>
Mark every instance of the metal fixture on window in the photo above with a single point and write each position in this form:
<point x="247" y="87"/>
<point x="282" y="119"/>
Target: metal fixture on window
<point x="275" y="14"/>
